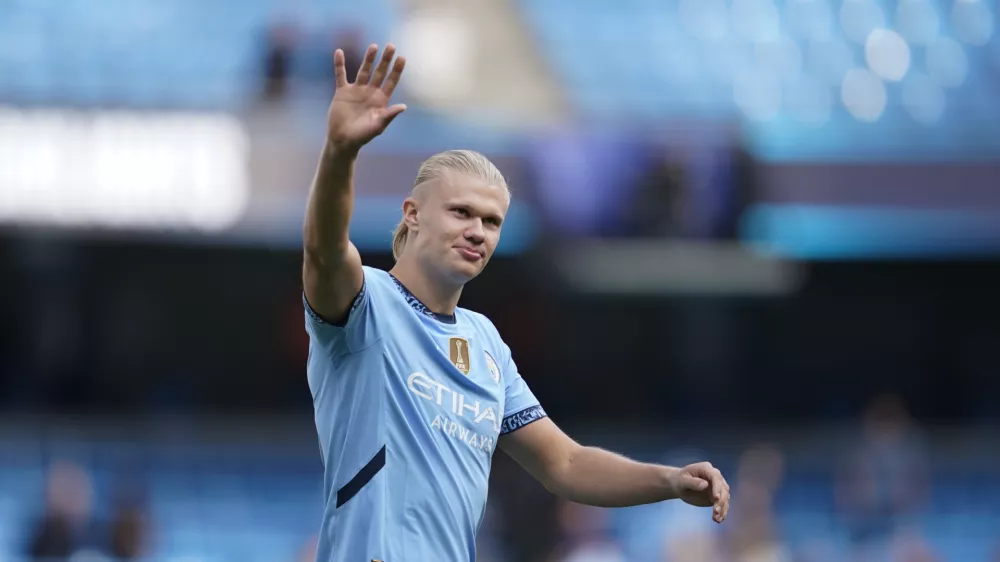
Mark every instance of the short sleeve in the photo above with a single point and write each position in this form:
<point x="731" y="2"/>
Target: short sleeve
<point x="358" y="331"/>
<point x="520" y="405"/>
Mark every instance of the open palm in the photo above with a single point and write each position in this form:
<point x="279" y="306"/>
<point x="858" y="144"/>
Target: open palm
<point x="361" y="111"/>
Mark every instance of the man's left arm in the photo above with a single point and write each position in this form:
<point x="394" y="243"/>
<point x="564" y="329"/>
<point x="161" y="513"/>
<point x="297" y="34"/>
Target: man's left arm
<point x="593" y="476"/>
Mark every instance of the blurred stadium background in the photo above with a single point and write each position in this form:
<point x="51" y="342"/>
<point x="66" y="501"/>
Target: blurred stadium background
<point x="761" y="232"/>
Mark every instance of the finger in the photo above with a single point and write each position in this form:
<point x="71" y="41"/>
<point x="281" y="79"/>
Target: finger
<point x="339" y="68"/>
<point x="365" y="72"/>
<point x="391" y="113"/>
<point x="393" y="79"/>
<point x="694" y="483"/>
<point x="719" y="486"/>
<point x="383" y="65"/>
<point x="721" y="498"/>
<point x="724" y="509"/>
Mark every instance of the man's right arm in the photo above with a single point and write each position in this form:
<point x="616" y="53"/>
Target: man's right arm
<point x="331" y="270"/>
<point x="331" y="267"/>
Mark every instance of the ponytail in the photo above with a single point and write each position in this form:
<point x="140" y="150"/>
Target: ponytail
<point x="399" y="239"/>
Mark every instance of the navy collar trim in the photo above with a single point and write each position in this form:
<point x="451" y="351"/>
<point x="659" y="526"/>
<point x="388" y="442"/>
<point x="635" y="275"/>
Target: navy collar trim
<point x="421" y="307"/>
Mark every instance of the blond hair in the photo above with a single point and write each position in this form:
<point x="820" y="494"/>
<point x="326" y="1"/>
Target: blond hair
<point x="468" y="162"/>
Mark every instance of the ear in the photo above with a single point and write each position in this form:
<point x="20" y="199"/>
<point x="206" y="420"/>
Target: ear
<point x="410" y="212"/>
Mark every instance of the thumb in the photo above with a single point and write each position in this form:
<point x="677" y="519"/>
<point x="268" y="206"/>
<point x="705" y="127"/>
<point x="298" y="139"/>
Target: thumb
<point x="392" y="112"/>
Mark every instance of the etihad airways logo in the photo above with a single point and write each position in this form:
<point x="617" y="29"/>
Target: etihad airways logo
<point x="430" y="389"/>
<point x="459" y="405"/>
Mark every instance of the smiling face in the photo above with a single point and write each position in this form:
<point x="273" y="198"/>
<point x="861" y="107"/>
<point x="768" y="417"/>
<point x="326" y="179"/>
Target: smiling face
<point x="456" y="219"/>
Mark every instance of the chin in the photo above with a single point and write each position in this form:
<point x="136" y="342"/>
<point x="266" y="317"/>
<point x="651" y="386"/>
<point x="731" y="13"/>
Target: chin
<point x="464" y="271"/>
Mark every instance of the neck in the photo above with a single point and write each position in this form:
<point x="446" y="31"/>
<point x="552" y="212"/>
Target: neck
<point x="439" y="295"/>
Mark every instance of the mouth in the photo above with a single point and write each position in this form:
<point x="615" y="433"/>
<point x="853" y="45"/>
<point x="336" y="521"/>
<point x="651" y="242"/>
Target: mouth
<point x="469" y="254"/>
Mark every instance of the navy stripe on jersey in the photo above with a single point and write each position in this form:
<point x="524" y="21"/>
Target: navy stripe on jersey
<point x="363" y="477"/>
<point x="526" y="416"/>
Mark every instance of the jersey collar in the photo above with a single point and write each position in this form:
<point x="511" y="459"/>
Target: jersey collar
<point x="421" y="307"/>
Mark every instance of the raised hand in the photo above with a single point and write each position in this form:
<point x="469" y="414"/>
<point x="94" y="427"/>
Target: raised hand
<point x="360" y="111"/>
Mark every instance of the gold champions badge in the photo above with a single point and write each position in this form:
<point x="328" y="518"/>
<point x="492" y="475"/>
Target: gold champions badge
<point x="458" y="351"/>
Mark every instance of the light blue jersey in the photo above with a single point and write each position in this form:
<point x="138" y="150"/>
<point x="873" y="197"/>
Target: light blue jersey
<point x="409" y="405"/>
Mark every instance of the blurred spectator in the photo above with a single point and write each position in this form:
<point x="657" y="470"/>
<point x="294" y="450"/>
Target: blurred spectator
<point x="66" y="525"/>
<point x="751" y="533"/>
<point x="350" y="39"/>
<point x="281" y="43"/>
<point x="688" y="534"/>
<point x="314" y="57"/>
<point x="293" y="57"/>
<point x="308" y="551"/>
<point x="585" y="535"/>
<point x="129" y="528"/>
<point x="885" y="477"/>
<point x="744" y="190"/>
<point x="697" y="193"/>
<point x="909" y="546"/>
<point x="658" y="208"/>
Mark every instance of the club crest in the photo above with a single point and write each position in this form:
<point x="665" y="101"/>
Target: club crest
<point x="492" y="366"/>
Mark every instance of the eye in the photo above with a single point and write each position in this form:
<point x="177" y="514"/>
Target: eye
<point x="461" y="211"/>
<point x="493" y="221"/>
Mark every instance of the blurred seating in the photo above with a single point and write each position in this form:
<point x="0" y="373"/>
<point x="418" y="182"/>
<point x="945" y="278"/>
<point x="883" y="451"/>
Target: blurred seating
<point x="203" y="504"/>
<point x="262" y="503"/>
<point x="786" y="68"/>
<point x="182" y="53"/>
<point x="920" y="74"/>
<point x="191" y="55"/>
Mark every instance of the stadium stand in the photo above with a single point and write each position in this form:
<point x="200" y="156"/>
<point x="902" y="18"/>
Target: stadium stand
<point x="919" y="74"/>
<point x="212" y="502"/>
<point x="182" y="53"/>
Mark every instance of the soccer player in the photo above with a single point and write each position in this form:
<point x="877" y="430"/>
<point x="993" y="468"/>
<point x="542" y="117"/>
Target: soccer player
<point x="413" y="394"/>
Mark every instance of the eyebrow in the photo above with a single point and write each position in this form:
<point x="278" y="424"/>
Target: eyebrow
<point x="498" y="216"/>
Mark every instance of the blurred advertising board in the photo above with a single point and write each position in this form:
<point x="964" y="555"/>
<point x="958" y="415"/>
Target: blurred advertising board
<point x="244" y="179"/>
<point x="195" y="175"/>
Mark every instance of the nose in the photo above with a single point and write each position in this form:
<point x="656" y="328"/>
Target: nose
<point x="475" y="233"/>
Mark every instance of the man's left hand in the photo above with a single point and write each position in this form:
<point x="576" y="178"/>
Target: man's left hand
<point x="702" y="485"/>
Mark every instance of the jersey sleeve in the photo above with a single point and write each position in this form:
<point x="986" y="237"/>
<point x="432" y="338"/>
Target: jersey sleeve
<point x="520" y="405"/>
<point x="356" y="332"/>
